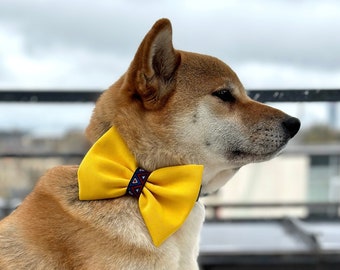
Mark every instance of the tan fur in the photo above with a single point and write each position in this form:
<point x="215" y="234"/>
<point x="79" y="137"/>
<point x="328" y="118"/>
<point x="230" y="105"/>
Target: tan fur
<point x="166" y="110"/>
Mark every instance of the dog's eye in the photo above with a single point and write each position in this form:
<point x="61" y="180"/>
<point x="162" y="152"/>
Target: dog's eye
<point x="225" y="95"/>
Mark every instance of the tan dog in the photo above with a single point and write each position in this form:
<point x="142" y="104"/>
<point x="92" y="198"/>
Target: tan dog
<point x="192" y="109"/>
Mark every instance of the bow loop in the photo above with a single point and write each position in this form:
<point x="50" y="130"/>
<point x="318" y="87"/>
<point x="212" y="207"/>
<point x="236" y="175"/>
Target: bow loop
<point x="166" y="196"/>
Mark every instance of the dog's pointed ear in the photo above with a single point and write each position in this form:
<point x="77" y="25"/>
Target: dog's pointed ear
<point x="152" y="71"/>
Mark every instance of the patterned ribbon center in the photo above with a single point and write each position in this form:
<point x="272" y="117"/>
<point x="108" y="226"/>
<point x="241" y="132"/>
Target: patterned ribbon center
<point x="137" y="182"/>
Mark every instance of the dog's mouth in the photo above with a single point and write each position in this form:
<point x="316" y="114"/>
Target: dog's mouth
<point x="255" y="155"/>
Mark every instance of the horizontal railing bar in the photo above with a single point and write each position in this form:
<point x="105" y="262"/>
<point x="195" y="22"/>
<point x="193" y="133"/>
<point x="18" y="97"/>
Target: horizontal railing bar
<point x="314" y="150"/>
<point x="270" y="95"/>
<point x="292" y="95"/>
<point x="49" y="96"/>
<point x="42" y="155"/>
<point x="273" y="204"/>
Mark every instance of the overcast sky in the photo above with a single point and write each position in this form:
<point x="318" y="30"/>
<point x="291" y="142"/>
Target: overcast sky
<point x="89" y="44"/>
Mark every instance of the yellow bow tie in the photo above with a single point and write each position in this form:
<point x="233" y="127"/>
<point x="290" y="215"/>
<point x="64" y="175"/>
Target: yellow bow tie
<point x="165" y="196"/>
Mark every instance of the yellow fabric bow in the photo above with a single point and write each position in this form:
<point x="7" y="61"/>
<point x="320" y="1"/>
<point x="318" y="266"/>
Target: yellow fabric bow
<point x="167" y="198"/>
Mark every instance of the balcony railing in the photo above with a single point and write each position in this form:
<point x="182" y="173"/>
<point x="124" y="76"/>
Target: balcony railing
<point x="270" y="95"/>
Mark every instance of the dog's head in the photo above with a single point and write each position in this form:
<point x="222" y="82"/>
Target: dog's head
<point x="174" y="107"/>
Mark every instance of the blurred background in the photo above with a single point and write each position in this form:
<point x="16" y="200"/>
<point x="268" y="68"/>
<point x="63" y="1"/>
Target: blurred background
<point x="84" y="46"/>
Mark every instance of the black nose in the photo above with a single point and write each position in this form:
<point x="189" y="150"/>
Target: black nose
<point x="291" y="125"/>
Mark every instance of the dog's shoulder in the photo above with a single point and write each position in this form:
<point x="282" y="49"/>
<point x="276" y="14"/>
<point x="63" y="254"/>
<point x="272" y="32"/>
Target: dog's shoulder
<point x="59" y="180"/>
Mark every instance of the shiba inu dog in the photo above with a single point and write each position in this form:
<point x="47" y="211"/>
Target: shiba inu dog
<point x="177" y="116"/>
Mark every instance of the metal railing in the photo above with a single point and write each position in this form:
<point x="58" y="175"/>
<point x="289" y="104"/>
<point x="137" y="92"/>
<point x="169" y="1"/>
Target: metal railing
<point x="270" y="95"/>
<point x="328" y="210"/>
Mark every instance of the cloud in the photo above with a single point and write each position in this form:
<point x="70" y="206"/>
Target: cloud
<point x="103" y="26"/>
<point x="303" y="33"/>
<point x="257" y="75"/>
<point x="86" y="44"/>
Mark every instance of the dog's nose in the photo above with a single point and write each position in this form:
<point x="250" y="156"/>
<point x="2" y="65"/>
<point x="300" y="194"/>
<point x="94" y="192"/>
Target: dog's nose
<point x="291" y="125"/>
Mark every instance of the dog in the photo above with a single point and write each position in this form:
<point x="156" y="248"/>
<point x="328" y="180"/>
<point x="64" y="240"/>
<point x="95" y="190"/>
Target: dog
<point x="171" y="109"/>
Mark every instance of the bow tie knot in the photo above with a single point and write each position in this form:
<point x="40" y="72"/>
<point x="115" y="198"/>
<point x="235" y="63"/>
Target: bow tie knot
<point x="137" y="182"/>
<point x="165" y="196"/>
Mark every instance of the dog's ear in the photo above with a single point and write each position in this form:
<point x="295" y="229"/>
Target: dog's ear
<point x="152" y="70"/>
